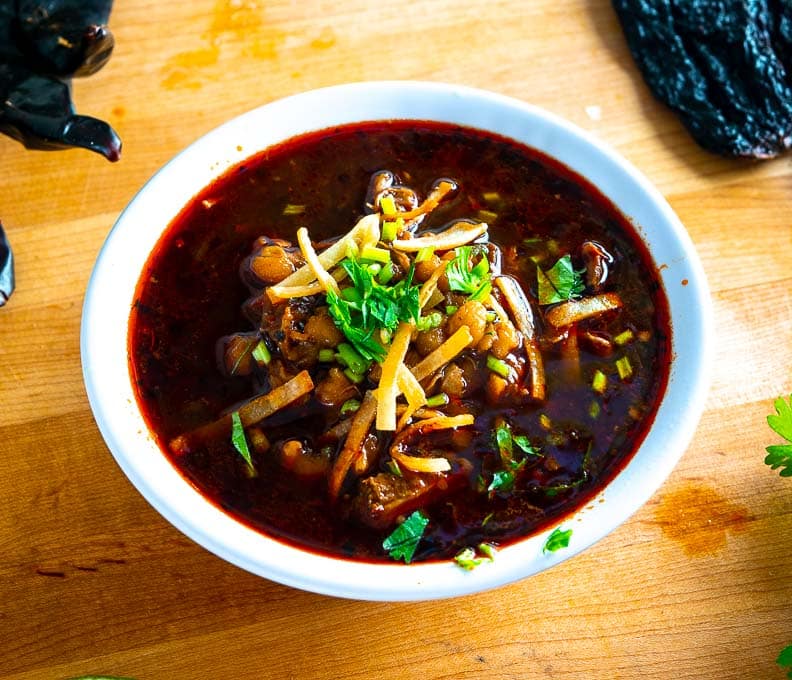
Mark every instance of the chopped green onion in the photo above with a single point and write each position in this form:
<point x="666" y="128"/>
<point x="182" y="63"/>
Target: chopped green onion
<point x="599" y="382"/>
<point x="385" y="274"/>
<point x="349" y="357"/>
<point x="487" y="519"/>
<point x="431" y="320"/>
<point x="624" y="337"/>
<point x="424" y="254"/>
<point x="451" y="309"/>
<point x="388" y="205"/>
<point x="498" y="366"/>
<point x="350" y="406"/>
<point x="356" y="378"/>
<point x="394" y="468"/>
<point x="491" y="196"/>
<point x="487" y="549"/>
<point x="487" y="215"/>
<point x="594" y="410"/>
<point x="491" y="316"/>
<point x="545" y="422"/>
<point x="293" y="209"/>
<point x="373" y="254"/>
<point x="326" y="355"/>
<point x="238" y="438"/>
<point x="261" y="353"/>
<point x="352" y="250"/>
<point x="440" y="399"/>
<point x="624" y="367"/>
<point x="390" y="229"/>
<point x="466" y="558"/>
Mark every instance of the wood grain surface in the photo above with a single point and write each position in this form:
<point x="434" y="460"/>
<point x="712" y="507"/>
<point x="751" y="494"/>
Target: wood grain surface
<point x="93" y="581"/>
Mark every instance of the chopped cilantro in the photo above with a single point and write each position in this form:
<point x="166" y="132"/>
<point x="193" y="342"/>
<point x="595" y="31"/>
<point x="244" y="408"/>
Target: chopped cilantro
<point x="785" y="660"/>
<point x="556" y="540"/>
<point x="466" y="279"/>
<point x="238" y="438"/>
<point x="502" y="480"/>
<point x="401" y="544"/>
<point x="468" y="558"/>
<point x="369" y="306"/>
<point x="560" y="283"/>
<point x="780" y="455"/>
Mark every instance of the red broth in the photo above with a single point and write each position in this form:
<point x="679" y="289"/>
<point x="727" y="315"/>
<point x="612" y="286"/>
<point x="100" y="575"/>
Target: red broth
<point x="191" y="294"/>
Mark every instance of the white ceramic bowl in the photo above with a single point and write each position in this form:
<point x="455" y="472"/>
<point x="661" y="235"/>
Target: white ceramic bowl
<point x="111" y="290"/>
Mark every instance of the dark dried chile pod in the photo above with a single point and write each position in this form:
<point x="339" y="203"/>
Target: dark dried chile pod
<point x="721" y="65"/>
<point x="37" y="110"/>
<point x="6" y="268"/>
<point x="64" y="37"/>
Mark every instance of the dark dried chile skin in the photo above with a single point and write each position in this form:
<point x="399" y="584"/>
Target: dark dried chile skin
<point x="6" y="268"/>
<point x="42" y="45"/>
<point x="722" y="65"/>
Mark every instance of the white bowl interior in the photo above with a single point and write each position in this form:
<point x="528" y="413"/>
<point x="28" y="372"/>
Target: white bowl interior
<point x="111" y="290"/>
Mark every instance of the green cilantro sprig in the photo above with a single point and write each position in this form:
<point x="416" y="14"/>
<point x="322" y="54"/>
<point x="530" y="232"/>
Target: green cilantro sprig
<point x="560" y="283"/>
<point x="785" y="660"/>
<point x="556" y="540"/>
<point x="402" y="543"/>
<point x="780" y="455"/>
<point x="505" y="441"/>
<point x="369" y="306"/>
<point x="239" y="440"/>
<point x="464" y="278"/>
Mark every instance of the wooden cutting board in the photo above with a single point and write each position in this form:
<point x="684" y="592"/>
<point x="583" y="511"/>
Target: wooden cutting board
<point x="92" y="580"/>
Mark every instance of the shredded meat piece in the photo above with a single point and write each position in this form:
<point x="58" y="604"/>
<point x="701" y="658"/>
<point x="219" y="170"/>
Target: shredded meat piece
<point x="335" y="389"/>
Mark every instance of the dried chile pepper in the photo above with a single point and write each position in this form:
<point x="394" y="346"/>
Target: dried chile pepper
<point x="44" y="43"/>
<point x="724" y="66"/>
<point x="6" y="268"/>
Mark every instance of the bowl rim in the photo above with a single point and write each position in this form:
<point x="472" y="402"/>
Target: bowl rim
<point x="110" y="295"/>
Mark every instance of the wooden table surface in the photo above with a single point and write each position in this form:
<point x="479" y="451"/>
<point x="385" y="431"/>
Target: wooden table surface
<point x="93" y="581"/>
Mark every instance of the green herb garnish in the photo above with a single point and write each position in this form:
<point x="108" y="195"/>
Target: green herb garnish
<point x="556" y="540"/>
<point x="239" y="440"/>
<point x="468" y="558"/>
<point x="785" y="660"/>
<point x="780" y="455"/>
<point x="369" y="306"/>
<point x="261" y="353"/>
<point x="560" y="283"/>
<point x="503" y="480"/>
<point x="466" y="279"/>
<point x="401" y="544"/>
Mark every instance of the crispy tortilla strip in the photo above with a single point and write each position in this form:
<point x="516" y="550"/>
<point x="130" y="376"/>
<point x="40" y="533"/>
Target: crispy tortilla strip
<point x="443" y="354"/>
<point x="459" y="234"/>
<point x="575" y="311"/>
<point x="367" y="227"/>
<point x="250" y="413"/>
<point x="358" y="431"/>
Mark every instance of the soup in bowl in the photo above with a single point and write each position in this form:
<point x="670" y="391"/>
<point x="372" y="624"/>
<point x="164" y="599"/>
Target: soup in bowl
<point x="396" y="341"/>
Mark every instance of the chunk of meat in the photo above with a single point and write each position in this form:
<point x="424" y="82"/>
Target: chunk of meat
<point x="235" y="353"/>
<point x="335" y="389"/>
<point x="274" y="262"/>
<point x="385" y="497"/>
<point x="303" y="462"/>
<point x="597" y="259"/>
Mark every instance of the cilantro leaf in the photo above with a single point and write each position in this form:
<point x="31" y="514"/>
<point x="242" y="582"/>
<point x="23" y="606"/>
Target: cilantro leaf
<point x="780" y="455"/>
<point x="502" y="480"/>
<point x="785" y="659"/>
<point x="556" y="540"/>
<point x="372" y="306"/>
<point x="238" y="438"/>
<point x="401" y="544"/>
<point x="525" y="444"/>
<point x="560" y="283"/>
<point x="464" y="278"/>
